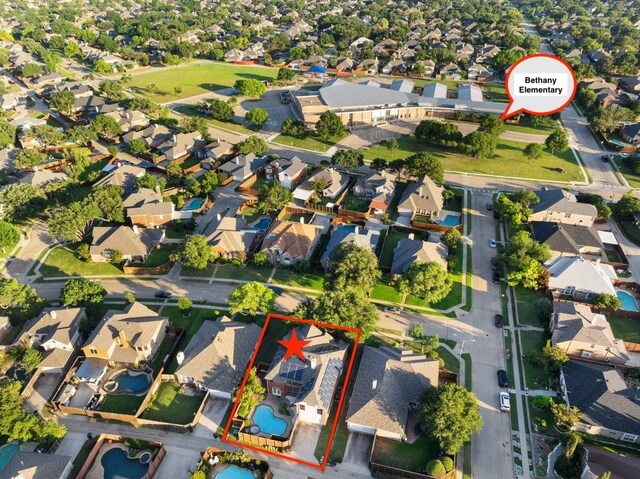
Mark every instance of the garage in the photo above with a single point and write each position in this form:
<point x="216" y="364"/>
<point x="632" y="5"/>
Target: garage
<point x="361" y="429"/>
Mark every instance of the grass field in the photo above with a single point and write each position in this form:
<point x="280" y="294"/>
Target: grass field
<point x="404" y="455"/>
<point x="63" y="262"/>
<point x="195" y="79"/>
<point x="189" y="110"/>
<point x="287" y="276"/>
<point x="509" y="160"/>
<point x="308" y="141"/>
<point x="525" y="299"/>
<point x="248" y="272"/>
<point x="625" y="329"/>
<point x="121" y="403"/>
<point x="631" y="176"/>
<point x="170" y="405"/>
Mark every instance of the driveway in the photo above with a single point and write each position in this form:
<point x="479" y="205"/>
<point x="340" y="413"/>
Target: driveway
<point x="305" y="439"/>
<point x="43" y="390"/>
<point x="212" y="417"/>
<point x="358" y="449"/>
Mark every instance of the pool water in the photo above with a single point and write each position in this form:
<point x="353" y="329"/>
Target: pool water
<point x="449" y="220"/>
<point x="193" y="204"/>
<point x="347" y="228"/>
<point x="7" y="452"/>
<point x="116" y="464"/>
<point x="628" y="301"/>
<point x="268" y="422"/>
<point x="235" y="472"/>
<point x="130" y="383"/>
<point x="263" y="224"/>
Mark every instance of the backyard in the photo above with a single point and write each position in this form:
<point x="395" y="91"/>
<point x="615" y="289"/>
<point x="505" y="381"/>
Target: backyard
<point x="121" y="403"/>
<point x="354" y="203"/>
<point x="509" y="160"/>
<point x="173" y="404"/>
<point x="194" y="79"/>
<point x="626" y="329"/>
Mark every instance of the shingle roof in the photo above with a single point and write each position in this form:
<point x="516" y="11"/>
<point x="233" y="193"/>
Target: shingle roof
<point x="124" y="239"/>
<point x="33" y="465"/>
<point x="56" y="324"/>
<point x="367" y="238"/>
<point x="292" y="238"/>
<point x="562" y="201"/>
<point x="124" y="176"/>
<point x="565" y="238"/>
<point x="408" y="251"/>
<point x="423" y="194"/>
<point x="581" y="274"/>
<point x="388" y="380"/>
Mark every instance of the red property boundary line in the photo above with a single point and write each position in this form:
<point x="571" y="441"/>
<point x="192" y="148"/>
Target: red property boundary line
<point x="334" y="426"/>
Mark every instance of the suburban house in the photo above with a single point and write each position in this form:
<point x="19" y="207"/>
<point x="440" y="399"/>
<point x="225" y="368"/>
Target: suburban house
<point x="230" y="237"/>
<point x="583" y="334"/>
<point x="560" y="206"/>
<point x="43" y="178"/>
<point x="410" y="250"/>
<point x="134" y="243"/>
<point x="217" y="355"/>
<point x="145" y="207"/>
<point x="213" y="152"/>
<point x="609" y="407"/>
<point x="243" y="166"/>
<point x="580" y="278"/>
<point x="308" y="385"/>
<point x="290" y="173"/>
<point x="179" y="145"/>
<point x="121" y="175"/>
<point x="569" y="240"/>
<point x="56" y="332"/>
<point x="128" y="336"/>
<point x="379" y="187"/>
<point x="334" y="183"/>
<point x="421" y="198"/>
<point x="631" y="133"/>
<point x="129" y="119"/>
<point x="365" y="238"/>
<point x="388" y="389"/>
<point x="288" y="242"/>
<point x="153" y="136"/>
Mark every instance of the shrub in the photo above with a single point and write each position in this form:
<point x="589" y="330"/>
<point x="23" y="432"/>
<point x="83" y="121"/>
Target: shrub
<point x="416" y="331"/>
<point x="435" y="468"/>
<point x="541" y="402"/>
<point x="83" y="252"/>
<point x="447" y="462"/>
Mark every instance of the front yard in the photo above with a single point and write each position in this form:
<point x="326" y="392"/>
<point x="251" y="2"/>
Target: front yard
<point x="62" y="261"/>
<point x="248" y="272"/>
<point x="525" y="299"/>
<point x="532" y="344"/>
<point x="174" y="405"/>
<point x="403" y="455"/>
<point x="288" y="277"/>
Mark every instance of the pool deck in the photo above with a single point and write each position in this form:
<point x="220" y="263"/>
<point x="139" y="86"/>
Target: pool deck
<point x="274" y="403"/>
<point x="132" y="372"/>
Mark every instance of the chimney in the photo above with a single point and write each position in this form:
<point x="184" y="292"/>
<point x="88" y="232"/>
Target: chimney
<point x="53" y="314"/>
<point x="313" y="362"/>
<point x="302" y="220"/>
<point x="123" y="337"/>
<point x="236" y="160"/>
<point x="412" y="236"/>
<point x="157" y="189"/>
<point x="374" y="384"/>
<point x="136" y="231"/>
<point x="180" y="358"/>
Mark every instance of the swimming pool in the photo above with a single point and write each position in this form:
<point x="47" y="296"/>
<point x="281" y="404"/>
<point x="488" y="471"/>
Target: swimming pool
<point x="347" y="228"/>
<point x="116" y="463"/>
<point x="235" y="472"/>
<point x="449" y="220"/>
<point x="128" y="382"/>
<point x="6" y="453"/>
<point x="193" y="204"/>
<point x="263" y="224"/>
<point x="628" y="301"/>
<point x="268" y="422"/>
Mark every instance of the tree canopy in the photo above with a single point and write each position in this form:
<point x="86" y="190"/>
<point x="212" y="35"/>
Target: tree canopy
<point x="273" y="197"/>
<point x="195" y="252"/>
<point x="257" y="116"/>
<point x="428" y="281"/>
<point x="82" y="292"/>
<point x="329" y="125"/>
<point x="252" y="298"/>
<point x="423" y="164"/>
<point x="250" y="87"/>
<point x="352" y="266"/>
<point x="253" y="144"/>
<point x="348" y="159"/>
<point x="438" y="132"/>
<point x="557" y="141"/>
<point x="346" y="307"/>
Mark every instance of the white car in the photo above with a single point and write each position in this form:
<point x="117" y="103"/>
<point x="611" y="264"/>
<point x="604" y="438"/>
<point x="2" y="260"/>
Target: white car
<point x="504" y="402"/>
<point x="492" y="243"/>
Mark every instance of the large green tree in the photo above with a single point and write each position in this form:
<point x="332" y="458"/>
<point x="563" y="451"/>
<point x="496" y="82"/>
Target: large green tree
<point x="480" y="144"/>
<point x="195" y="252"/>
<point x="22" y="201"/>
<point x="7" y="134"/>
<point x="423" y="164"/>
<point x="257" y="116"/>
<point x="26" y="159"/>
<point x="253" y="144"/>
<point x="428" y="281"/>
<point x="627" y="206"/>
<point x="329" y="125"/>
<point x="515" y="208"/>
<point x="106" y="125"/>
<point x="352" y="266"/>
<point x="348" y="159"/>
<point x="273" y="197"/>
<point x="15" y="295"/>
<point x="438" y="132"/>
<point x="82" y="292"/>
<point x="252" y="298"/>
<point x="557" y="141"/>
<point x="9" y="236"/>
<point x="63" y="101"/>
<point x="250" y="87"/>
<point x="108" y="199"/>
<point x="70" y="222"/>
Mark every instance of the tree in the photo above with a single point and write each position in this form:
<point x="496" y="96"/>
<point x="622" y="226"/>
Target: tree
<point x="48" y="135"/>
<point x="251" y="298"/>
<point x="423" y="164"/>
<point x="9" y="235"/>
<point x="392" y="146"/>
<point x="541" y="402"/>
<point x="115" y="257"/>
<point x="21" y="201"/>
<point x="293" y="127"/>
<point x="524" y="256"/>
<point x="253" y="144"/>
<point x="379" y="164"/>
<point x="257" y="116"/>
<point x="273" y="197"/>
<point x="31" y="70"/>
<point x="554" y="355"/>
<point x="15" y="295"/>
<point x="81" y="136"/>
<point x="515" y="208"/>
<point x="452" y="416"/>
<point x="597" y="201"/>
<point x="435" y="468"/>
<point x="31" y="359"/>
<point x="438" y="132"/>
<point x="82" y="292"/>
<point x="137" y="146"/>
<point x="606" y="301"/>
<point x="626" y="206"/>
<point x="452" y="239"/>
<point x="480" y="144"/>
<point x="543" y="308"/>
<point x="199" y="474"/>
<point x="352" y="266"/>
<point x="252" y="395"/>
<point x="7" y="134"/>
<point x="533" y="151"/>
<point x="220" y="110"/>
<point x="428" y="281"/>
<point x="108" y="199"/>
<point x="195" y="252"/>
<point x="184" y="305"/>
<point x="573" y="442"/>
<point x="329" y="125"/>
<point x="346" y="307"/>
<point x="101" y="66"/>
<point x="605" y="120"/>
<point x="250" y="87"/>
<point x="106" y="125"/>
<point x="286" y="74"/>
<point x="28" y="159"/>
<point x="492" y="125"/>
<point x="563" y="415"/>
<point x="63" y="101"/>
<point x="557" y="141"/>
<point x="112" y="89"/>
<point x="69" y="223"/>
<point x="348" y="159"/>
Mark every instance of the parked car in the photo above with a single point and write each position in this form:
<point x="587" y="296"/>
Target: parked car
<point x="503" y="380"/>
<point x="498" y="320"/>
<point x="605" y="158"/>
<point x="163" y="294"/>
<point x="505" y="404"/>
<point x="489" y="207"/>
<point x="496" y="277"/>
<point x="389" y="309"/>
<point x="276" y="290"/>
<point x="494" y="263"/>
<point x="493" y="243"/>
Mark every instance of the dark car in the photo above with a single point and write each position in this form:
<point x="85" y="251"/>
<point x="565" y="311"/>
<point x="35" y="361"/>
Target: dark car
<point x="489" y="207"/>
<point x="494" y="263"/>
<point x="605" y="158"/>
<point x="276" y="290"/>
<point x="163" y="294"/>
<point x="503" y="380"/>
<point x="498" y="320"/>
<point x="496" y="277"/>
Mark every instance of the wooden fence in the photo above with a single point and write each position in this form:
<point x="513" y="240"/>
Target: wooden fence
<point x="354" y="214"/>
<point x="227" y="181"/>
<point x="433" y="226"/>
<point x="263" y="441"/>
<point x="292" y="210"/>
<point x="632" y="347"/>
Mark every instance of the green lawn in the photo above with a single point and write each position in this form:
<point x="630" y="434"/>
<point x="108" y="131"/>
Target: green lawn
<point x="391" y="241"/>
<point x="251" y="214"/>
<point x="403" y="455"/>
<point x="451" y="361"/>
<point x="308" y="141"/>
<point x="195" y="79"/>
<point x="354" y="203"/>
<point x="495" y="92"/>
<point x="287" y="276"/>
<point x="626" y="329"/>
<point x="189" y="110"/>
<point x="526" y="126"/>
<point x="631" y="176"/>
<point x="170" y="405"/>
<point x="630" y="230"/>
<point x="533" y="342"/>
<point x="249" y="272"/>
<point x="192" y="161"/>
<point x="385" y="292"/>
<point x="63" y="262"/>
<point x="509" y="160"/>
<point x="158" y="257"/>
<point x="339" y="444"/>
<point x="525" y="299"/>
<point x="121" y="403"/>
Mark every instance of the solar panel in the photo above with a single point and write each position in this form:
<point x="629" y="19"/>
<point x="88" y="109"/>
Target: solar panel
<point x="292" y="369"/>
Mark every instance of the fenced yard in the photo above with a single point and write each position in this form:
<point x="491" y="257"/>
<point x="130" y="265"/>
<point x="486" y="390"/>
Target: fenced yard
<point x="174" y="404"/>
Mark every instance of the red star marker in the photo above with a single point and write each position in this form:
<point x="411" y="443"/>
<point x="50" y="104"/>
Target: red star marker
<point x="294" y="346"/>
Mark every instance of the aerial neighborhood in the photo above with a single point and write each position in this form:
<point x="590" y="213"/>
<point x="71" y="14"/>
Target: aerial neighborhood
<point x="305" y="239"/>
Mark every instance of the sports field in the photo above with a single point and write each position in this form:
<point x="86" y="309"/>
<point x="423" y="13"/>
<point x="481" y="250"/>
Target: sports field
<point x="159" y="83"/>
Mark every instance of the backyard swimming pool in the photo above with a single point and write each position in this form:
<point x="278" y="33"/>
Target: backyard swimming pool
<point x="235" y="472"/>
<point x="347" y="228"/>
<point x="449" y="220"/>
<point x="268" y="422"/>
<point x="7" y="452"/>
<point x="193" y="204"/>
<point x="128" y="382"/>
<point x="263" y="224"/>
<point x="116" y="463"/>
<point x="628" y="301"/>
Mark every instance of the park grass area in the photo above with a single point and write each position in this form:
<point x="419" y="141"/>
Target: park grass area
<point x="191" y="111"/>
<point x="631" y="176"/>
<point x="308" y="141"/>
<point x="353" y="203"/>
<point x="171" y="404"/>
<point x="121" y="403"/>
<point x="525" y="305"/>
<point x="532" y="344"/>
<point x="62" y="261"/>
<point x="528" y="127"/>
<point x="625" y="329"/>
<point x="404" y="455"/>
<point x="248" y="272"/>
<point x="195" y="79"/>
<point x="288" y="277"/>
<point x="509" y="160"/>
